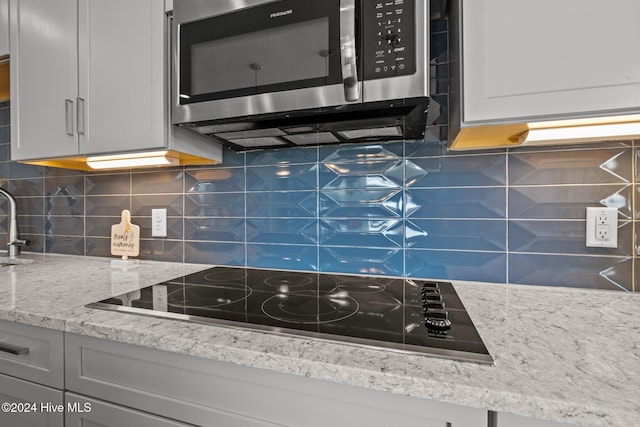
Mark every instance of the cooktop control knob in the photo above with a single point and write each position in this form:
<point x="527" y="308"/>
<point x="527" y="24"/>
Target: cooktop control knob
<point x="437" y="320"/>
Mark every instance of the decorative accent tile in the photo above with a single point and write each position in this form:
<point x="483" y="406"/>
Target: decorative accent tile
<point x="380" y="233"/>
<point x="215" y="229"/>
<point x="571" y="271"/>
<point x="214" y="180"/>
<point x="287" y="257"/>
<point x="358" y="175"/>
<point x="284" y="231"/>
<point x="282" y="156"/>
<point x="64" y="186"/>
<point x="460" y="171"/>
<point x="363" y="203"/>
<point x="387" y="262"/>
<point x="456" y="203"/>
<point x="571" y="167"/>
<point x="567" y="202"/>
<point x="563" y="237"/>
<point x="282" y="177"/>
<point x="475" y="235"/>
<point x="459" y="265"/>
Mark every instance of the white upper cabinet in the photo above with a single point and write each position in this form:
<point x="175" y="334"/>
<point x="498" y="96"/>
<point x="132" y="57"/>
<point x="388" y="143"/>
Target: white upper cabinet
<point x="91" y="77"/>
<point x="531" y="60"/>
<point x="4" y="28"/>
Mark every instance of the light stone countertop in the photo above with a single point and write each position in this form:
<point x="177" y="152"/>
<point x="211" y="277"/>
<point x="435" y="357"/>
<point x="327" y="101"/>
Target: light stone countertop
<point x="565" y="355"/>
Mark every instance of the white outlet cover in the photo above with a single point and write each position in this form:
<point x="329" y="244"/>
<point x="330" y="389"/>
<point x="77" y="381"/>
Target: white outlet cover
<point x="611" y="227"/>
<point x="158" y="223"/>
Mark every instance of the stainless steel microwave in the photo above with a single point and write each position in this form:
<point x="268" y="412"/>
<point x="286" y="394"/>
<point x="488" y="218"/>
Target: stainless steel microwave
<point x="264" y="73"/>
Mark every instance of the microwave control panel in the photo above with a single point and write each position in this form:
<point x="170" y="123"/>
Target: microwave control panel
<point x="389" y="38"/>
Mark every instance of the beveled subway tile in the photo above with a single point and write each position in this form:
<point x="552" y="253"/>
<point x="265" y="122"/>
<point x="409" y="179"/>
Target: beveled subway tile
<point x="568" y="201"/>
<point x="23" y="170"/>
<point x="215" y="180"/>
<point x="5" y="154"/>
<point x="386" y="262"/>
<point x="214" y="204"/>
<point x="36" y="242"/>
<point x="290" y="204"/>
<point x="454" y="203"/>
<point x="563" y="237"/>
<point x="64" y="186"/>
<point x="107" y="205"/>
<point x="602" y="145"/>
<point x="282" y="156"/>
<point x="142" y="205"/>
<point x="51" y="172"/>
<point x="100" y="226"/>
<point x="474" y="235"/>
<point x="457" y="265"/>
<point x="31" y="205"/>
<point x="282" y="177"/>
<point x="5" y="135"/>
<point x="96" y="246"/>
<point x="70" y="205"/>
<point x="461" y="171"/>
<point x="383" y="203"/>
<point x="162" y="250"/>
<point x="214" y="253"/>
<point x="174" y="228"/>
<point x="366" y="233"/>
<point x="359" y="152"/>
<point x="427" y="147"/>
<point x="361" y="175"/>
<point x="64" y="226"/>
<point x="571" y="167"/>
<point x="5" y="119"/>
<point x="101" y="185"/>
<point x="438" y="113"/>
<point x="571" y="271"/>
<point x="215" y="229"/>
<point x="27" y="187"/>
<point x="287" y="257"/>
<point x="30" y="224"/>
<point x="282" y="231"/>
<point x="70" y="245"/>
<point x="157" y="182"/>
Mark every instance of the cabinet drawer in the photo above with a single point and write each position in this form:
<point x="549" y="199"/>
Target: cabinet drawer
<point x="83" y="412"/>
<point x="35" y="398"/>
<point x="42" y="349"/>
<point x="207" y="392"/>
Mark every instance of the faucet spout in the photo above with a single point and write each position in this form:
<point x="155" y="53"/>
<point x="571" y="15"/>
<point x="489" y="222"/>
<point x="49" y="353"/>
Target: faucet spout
<point x="15" y="242"/>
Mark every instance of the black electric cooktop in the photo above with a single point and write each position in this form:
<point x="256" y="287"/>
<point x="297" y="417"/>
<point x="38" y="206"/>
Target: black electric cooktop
<point x="415" y="316"/>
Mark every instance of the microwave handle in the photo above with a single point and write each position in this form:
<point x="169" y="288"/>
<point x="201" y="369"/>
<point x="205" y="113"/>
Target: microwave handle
<point x="348" y="50"/>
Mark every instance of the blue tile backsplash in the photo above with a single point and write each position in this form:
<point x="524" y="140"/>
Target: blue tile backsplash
<point x="401" y="208"/>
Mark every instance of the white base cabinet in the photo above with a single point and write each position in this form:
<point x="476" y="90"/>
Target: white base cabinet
<point x="208" y="393"/>
<point x="25" y="404"/>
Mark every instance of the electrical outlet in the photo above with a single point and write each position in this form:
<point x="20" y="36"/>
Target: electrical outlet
<point x="602" y="227"/>
<point x="158" y="222"/>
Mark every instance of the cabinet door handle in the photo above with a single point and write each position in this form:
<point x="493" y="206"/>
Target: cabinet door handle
<point x="13" y="349"/>
<point x="81" y="117"/>
<point x="68" y="116"/>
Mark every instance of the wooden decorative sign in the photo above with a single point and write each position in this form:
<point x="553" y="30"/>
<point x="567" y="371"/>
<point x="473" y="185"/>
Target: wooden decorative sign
<point x="125" y="237"/>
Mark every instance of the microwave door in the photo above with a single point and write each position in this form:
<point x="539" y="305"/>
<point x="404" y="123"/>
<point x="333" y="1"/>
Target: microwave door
<point x="286" y="55"/>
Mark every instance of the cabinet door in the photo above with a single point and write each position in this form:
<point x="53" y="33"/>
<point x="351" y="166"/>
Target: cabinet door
<point x="4" y="28"/>
<point x="122" y="75"/>
<point x="29" y="405"/>
<point x="44" y="75"/>
<point x="546" y="58"/>
<point x="85" y="412"/>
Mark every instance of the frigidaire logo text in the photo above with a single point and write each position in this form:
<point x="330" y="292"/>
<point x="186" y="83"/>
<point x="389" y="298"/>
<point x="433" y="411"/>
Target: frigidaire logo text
<point x="283" y="13"/>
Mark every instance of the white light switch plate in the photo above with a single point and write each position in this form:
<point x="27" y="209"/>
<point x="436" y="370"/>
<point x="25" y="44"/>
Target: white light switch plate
<point x="158" y="222"/>
<point x="602" y="227"/>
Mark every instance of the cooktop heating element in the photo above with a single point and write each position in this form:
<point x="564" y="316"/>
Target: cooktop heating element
<point x="408" y="315"/>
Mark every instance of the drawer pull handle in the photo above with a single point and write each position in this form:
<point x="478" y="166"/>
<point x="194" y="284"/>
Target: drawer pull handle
<point x="14" y="349"/>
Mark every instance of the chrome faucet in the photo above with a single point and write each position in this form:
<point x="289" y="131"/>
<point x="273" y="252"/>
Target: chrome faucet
<point x="15" y="242"/>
